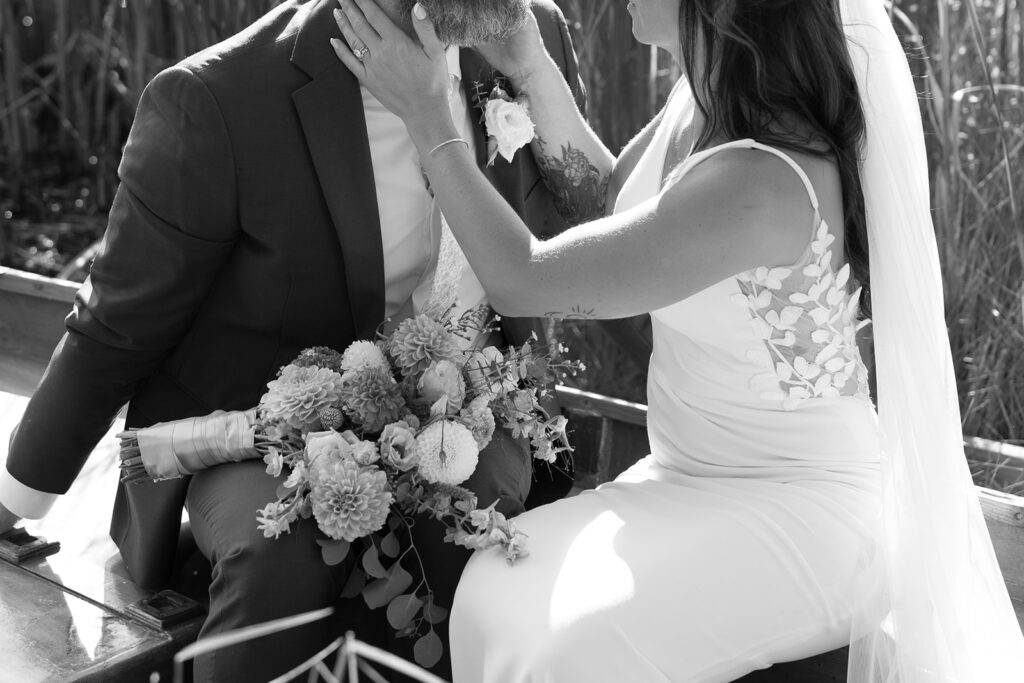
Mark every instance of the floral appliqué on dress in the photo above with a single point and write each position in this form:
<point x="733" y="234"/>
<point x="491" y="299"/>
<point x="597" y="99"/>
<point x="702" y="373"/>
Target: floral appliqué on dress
<point x="808" y="321"/>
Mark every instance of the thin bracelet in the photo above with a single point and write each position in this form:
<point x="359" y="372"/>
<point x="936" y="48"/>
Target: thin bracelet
<point x="447" y="142"/>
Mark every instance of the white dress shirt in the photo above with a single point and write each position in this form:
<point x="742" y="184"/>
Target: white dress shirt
<point x="409" y="219"/>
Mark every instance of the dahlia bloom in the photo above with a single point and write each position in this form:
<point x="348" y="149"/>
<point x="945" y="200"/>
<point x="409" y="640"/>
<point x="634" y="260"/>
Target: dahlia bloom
<point x="350" y="501"/>
<point x="372" y="398"/>
<point x="420" y="341"/>
<point x="297" y="395"/>
<point x="362" y="355"/>
<point x="448" y="453"/>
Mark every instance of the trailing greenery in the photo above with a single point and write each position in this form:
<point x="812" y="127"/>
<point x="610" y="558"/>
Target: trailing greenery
<point x="72" y="71"/>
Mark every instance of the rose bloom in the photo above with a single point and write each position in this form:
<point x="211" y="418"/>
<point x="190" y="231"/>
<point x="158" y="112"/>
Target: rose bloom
<point x="509" y="124"/>
<point x="443" y="380"/>
<point x="398" y="446"/>
<point x="323" y="449"/>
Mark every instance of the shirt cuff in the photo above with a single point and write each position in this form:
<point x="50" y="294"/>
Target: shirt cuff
<point x="24" y="501"/>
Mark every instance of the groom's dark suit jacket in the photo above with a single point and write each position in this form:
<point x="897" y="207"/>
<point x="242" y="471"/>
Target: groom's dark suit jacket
<point x="245" y="229"/>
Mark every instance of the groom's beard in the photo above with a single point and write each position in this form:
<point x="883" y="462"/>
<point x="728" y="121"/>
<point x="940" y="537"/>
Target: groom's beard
<point x="471" y="22"/>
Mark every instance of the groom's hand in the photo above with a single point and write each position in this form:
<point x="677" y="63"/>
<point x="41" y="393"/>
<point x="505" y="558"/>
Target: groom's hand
<point x="7" y="519"/>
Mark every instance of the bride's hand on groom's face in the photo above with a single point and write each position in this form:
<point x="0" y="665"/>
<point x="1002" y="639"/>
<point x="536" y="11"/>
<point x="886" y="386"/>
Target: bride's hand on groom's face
<point x="519" y="55"/>
<point x="409" y="78"/>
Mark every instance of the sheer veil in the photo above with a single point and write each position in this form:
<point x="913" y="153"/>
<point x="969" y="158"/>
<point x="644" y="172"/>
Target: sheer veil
<point x="945" y="612"/>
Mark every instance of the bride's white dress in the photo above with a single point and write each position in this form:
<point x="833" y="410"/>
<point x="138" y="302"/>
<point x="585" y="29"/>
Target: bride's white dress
<point x="746" y="536"/>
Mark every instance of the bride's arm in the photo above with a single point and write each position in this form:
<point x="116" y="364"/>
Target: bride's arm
<point x="730" y="214"/>
<point x="692" y="235"/>
<point x="574" y="163"/>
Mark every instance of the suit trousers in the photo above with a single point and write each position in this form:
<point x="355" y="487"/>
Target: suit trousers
<point x="256" y="579"/>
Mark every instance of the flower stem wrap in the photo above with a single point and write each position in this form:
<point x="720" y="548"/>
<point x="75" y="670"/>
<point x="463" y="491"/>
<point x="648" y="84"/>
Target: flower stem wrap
<point x="173" y="449"/>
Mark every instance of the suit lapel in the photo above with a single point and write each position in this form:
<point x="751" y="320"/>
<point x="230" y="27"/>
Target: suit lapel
<point x="330" y="108"/>
<point x="503" y="175"/>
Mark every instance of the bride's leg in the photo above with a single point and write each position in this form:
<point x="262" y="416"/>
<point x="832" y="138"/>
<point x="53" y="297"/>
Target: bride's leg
<point x="652" y="581"/>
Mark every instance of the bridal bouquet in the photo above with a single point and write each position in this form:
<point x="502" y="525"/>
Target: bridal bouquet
<point x="367" y="439"/>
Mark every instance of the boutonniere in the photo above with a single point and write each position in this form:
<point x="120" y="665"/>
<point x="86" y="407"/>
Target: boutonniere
<point x="506" y="119"/>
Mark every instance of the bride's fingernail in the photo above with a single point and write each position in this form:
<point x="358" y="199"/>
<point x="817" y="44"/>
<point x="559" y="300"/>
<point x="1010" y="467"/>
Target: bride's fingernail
<point x="418" y="11"/>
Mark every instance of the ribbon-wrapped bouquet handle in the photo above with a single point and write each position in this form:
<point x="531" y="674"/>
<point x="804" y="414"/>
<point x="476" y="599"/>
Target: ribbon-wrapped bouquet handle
<point x="169" y="450"/>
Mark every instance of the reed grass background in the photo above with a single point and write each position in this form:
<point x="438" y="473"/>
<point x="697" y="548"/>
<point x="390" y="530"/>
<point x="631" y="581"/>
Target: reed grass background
<point x="72" y="71"/>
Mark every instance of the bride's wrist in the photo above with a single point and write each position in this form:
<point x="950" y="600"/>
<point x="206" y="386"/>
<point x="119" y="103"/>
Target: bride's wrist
<point x="430" y="130"/>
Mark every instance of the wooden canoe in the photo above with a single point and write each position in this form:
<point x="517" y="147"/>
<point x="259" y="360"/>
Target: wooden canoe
<point x="81" y="579"/>
<point x="68" y="617"/>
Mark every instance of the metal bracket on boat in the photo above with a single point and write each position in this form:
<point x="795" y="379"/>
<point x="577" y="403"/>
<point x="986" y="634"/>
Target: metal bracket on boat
<point x="164" y="609"/>
<point x="18" y="545"/>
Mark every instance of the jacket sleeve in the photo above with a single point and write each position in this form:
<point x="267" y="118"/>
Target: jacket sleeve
<point x="172" y="224"/>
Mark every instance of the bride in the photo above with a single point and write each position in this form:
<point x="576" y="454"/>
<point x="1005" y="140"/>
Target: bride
<point x="778" y="514"/>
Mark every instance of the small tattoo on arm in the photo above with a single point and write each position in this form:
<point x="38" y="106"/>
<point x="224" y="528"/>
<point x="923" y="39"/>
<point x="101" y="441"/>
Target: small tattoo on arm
<point x="576" y="313"/>
<point x="580" y="190"/>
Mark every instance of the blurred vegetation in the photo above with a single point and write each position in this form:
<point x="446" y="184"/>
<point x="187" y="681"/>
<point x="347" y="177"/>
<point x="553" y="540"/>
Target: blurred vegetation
<point x="72" y="71"/>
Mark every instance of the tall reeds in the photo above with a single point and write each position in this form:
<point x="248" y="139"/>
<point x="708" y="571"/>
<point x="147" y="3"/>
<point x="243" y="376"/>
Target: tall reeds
<point x="73" y="72"/>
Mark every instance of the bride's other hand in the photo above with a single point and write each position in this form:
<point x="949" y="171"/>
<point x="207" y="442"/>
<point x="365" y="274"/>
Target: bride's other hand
<point x="518" y="56"/>
<point x="409" y="78"/>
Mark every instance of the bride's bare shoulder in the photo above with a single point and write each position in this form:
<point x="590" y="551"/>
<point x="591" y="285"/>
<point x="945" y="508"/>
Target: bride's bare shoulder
<point x="756" y="187"/>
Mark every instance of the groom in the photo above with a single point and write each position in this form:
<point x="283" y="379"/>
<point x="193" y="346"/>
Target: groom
<point x="267" y="204"/>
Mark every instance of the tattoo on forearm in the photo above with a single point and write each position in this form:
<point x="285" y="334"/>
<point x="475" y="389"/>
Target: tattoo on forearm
<point x="579" y="188"/>
<point x="576" y="313"/>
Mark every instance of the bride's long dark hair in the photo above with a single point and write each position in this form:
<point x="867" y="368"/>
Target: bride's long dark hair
<point x="768" y="63"/>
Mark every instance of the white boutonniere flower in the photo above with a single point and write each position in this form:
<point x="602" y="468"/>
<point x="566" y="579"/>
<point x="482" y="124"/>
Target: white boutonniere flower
<point x="508" y="123"/>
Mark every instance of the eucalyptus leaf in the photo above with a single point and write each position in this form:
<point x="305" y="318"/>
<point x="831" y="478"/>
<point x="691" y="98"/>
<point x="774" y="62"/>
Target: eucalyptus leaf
<point x="372" y="565"/>
<point x="333" y="551"/>
<point x="389" y="545"/>
<point x="383" y="591"/>
<point x="434" y="614"/>
<point x="355" y="583"/>
<point x="403" y="609"/>
<point x="427" y="650"/>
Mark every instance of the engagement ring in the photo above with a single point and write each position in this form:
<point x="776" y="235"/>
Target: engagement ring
<point x="361" y="52"/>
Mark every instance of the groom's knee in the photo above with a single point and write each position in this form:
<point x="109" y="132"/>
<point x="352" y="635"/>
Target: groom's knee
<point x="283" y="576"/>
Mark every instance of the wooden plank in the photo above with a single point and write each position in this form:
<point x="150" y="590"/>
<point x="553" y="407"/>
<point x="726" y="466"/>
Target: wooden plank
<point x="829" y="667"/>
<point x="50" y="635"/>
<point x="987" y="449"/>
<point x="1004" y="514"/>
<point x="596" y="405"/>
<point x="37" y="286"/>
<point x="32" y="312"/>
